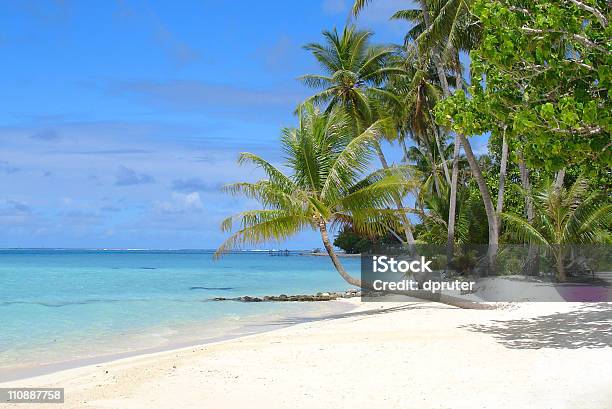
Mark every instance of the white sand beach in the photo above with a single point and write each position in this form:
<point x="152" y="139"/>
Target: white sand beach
<point x="392" y="355"/>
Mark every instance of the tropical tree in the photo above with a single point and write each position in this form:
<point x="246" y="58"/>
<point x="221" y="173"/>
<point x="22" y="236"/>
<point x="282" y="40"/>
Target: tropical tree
<point x="451" y="23"/>
<point x="429" y="164"/>
<point x="542" y="73"/>
<point x="435" y="216"/>
<point x="329" y="185"/>
<point x="543" y="69"/>
<point x="354" y="73"/>
<point x="563" y="217"/>
<point x="353" y="69"/>
<point x="417" y="92"/>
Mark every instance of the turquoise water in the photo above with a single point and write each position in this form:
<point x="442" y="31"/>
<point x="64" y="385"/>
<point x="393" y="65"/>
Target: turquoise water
<point x="59" y="305"/>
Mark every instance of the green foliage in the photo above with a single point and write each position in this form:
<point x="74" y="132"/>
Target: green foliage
<point x="351" y="242"/>
<point x="540" y="74"/>
<point x="564" y="216"/>
<point x="470" y="213"/>
<point x="352" y="71"/>
<point x="427" y="161"/>
<point x="542" y="71"/>
<point x="328" y="183"/>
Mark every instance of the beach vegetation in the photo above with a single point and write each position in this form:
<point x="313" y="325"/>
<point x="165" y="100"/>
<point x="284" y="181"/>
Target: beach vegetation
<point x="531" y="78"/>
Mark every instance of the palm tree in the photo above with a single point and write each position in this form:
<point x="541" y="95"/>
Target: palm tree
<point x="352" y="69"/>
<point x="450" y="22"/>
<point x="328" y="186"/>
<point x="435" y="216"/>
<point x="418" y="94"/>
<point x="423" y="20"/>
<point x="426" y="160"/>
<point x="453" y="28"/>
<point x="353" y="74"/>
<point x="563" y="216"/>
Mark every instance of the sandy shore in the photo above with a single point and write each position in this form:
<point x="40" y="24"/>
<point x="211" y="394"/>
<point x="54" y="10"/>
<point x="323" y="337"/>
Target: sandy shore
<point x="409" y="355"/>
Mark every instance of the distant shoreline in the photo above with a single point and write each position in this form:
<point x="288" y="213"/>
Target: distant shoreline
<point x="321" y="254"/>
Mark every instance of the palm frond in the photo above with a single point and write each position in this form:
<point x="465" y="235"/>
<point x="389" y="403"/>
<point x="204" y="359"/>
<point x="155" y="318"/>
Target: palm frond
<point x="351" y="162"/>
<point x="260" y="226"/>
<point x="359" y="5"/>
<point x="411" y="15"/>
<point x="316" y="81"/>
<point x="521" y="230"/>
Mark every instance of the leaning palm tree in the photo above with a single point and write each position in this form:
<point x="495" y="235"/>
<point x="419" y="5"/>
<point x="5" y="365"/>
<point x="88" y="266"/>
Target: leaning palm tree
<point x="329" y="185"/>
<point x="563" y="217"/>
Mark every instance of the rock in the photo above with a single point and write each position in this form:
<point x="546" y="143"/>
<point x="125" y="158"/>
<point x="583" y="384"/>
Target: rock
<point x="246" y="298"/>
<point x="320" y="296"/>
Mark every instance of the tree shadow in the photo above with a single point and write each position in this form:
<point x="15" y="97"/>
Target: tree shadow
<point x="587" y="327"/>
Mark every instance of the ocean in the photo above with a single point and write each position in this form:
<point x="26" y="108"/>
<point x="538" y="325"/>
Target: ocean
<point x="59" y="308"/>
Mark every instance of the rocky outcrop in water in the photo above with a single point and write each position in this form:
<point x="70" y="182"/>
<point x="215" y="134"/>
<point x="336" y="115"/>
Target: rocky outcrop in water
<point x="326" y="296"/>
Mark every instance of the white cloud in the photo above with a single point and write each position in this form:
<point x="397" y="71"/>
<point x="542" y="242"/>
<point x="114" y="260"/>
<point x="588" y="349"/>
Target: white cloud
<point x="181" y="203"/>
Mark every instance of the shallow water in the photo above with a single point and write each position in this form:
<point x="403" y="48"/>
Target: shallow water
<point x="65" y="305"/>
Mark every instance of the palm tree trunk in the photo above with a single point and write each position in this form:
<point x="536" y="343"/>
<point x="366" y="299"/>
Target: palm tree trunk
<point x="460" y="84"/>
<point x="400" y="206"/>
<point x="404" y="149"/>
<point x="424" y="295"/>
<point x="435" y="53"/>
<point x="452" y="208"/>
<point x="559" y="179"/>
<point x="486" y="199"/>
<point x="526" y="184"/>
<point x="334" y="257"/>
<point x="442" y="157"/>
<point x="532" y="254"/>
<point x="502" y="179"/>
<point x="436" y="130"/>
<point x="561" y="274"/>
<point x="434" y="173"/>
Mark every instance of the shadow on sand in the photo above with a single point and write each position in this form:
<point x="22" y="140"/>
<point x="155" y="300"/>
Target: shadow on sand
<point x="587" y="327"/>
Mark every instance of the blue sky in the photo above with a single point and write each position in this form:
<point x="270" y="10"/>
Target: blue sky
<point x="120" y="120"/>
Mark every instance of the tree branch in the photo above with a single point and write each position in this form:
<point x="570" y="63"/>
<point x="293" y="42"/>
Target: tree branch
<point x="598" y="14"/>
<point x="577" y="37"/>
